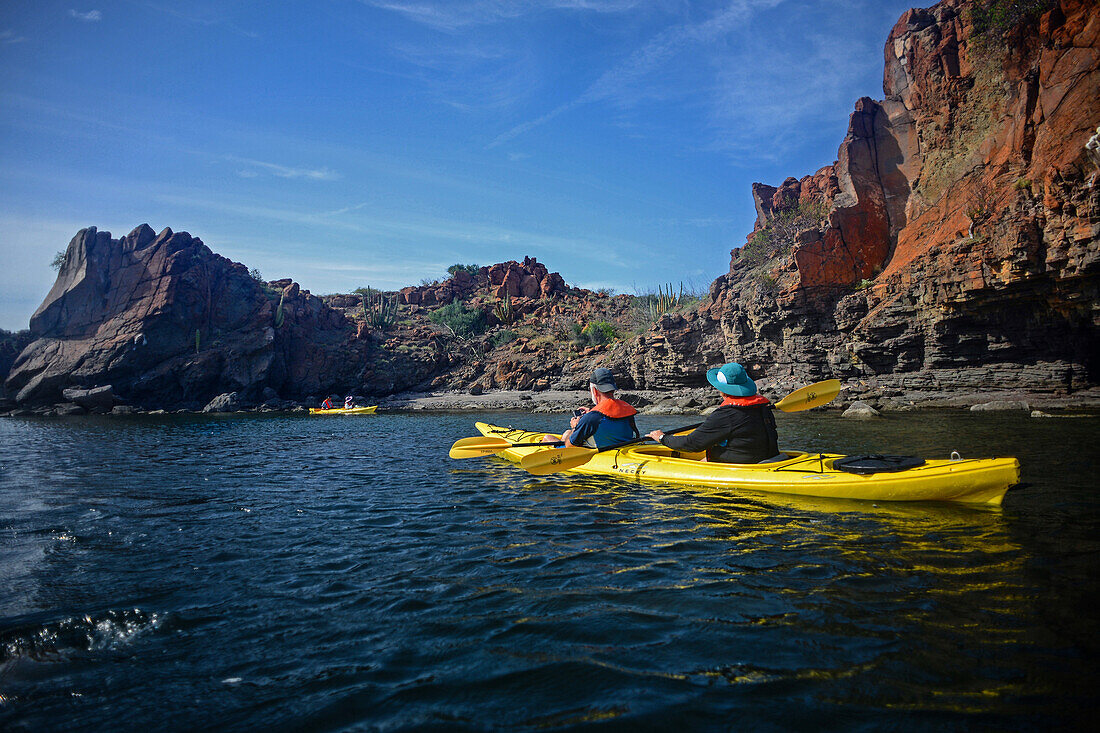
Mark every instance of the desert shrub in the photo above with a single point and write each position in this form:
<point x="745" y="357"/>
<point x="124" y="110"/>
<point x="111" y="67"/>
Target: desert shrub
<point x="864" y="284"/>
<point x="256" y="275"/>
<point x="996" y="17"/>
<point x="469" y="269"/>
<point x="462" y="321"/>
<point x="782" y="229"/>
<point x="598" y="332"/>
<point x="605" y="292"/>
<point x="1022" y="184"/>
<point x="58" y="260"/>
<point x="502" y="337"/>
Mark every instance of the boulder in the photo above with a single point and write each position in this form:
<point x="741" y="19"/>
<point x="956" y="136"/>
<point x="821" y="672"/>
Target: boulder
<point x="228" y="402"/>
<point x="997" y="405"/>
<point x="861" y="410"/>
<point x="90" y="399"/>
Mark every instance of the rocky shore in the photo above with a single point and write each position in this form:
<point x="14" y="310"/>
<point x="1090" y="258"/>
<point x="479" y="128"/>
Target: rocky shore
<point x="853" y="401"/>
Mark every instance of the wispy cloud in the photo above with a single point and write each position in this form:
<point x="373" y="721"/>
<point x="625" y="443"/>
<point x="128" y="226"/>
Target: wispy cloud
<point x="627" y="82"/>
<point x="211" y="15"/>
<point x="9" y="36"/>
<point x="90" y="16"/>
<point x="282" y="171"/>
<point x="453" y="15"/>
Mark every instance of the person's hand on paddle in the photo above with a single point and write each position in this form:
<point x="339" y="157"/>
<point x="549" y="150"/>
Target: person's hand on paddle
<point x="656" y="435"/>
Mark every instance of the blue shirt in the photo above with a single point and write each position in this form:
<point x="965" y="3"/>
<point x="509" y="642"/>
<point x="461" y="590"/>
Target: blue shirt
<point x="602" y="430"/>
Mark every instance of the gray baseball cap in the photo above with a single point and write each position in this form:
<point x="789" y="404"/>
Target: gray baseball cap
<point x="603" y="380"/>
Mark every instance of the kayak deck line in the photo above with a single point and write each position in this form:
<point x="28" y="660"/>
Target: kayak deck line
<point x="971" y="480"/>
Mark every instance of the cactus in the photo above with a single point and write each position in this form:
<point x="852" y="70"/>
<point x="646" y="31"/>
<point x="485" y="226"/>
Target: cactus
<point x="280" y="316"/>
<point x="504" y="311"/>
<point x="379" y="311"/>
<point x="662" y="302"/>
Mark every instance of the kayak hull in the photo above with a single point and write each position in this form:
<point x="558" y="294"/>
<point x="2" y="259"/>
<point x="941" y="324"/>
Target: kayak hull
<point x="341" y="411"/>
<point x="971" y="481"/>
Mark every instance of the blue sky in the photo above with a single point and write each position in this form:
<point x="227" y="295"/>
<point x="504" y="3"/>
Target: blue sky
<point x="375" y="142"/>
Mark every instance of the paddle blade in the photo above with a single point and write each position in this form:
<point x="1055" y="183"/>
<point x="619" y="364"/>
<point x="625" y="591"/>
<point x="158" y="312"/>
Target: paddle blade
<point x="812" y="395"/>
<point x="479" y="446"/>
<point x="544" y="462"/>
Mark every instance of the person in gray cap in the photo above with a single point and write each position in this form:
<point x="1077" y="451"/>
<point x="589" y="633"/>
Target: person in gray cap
<point x="741" y="430"/>
<point x="608" y="423"/>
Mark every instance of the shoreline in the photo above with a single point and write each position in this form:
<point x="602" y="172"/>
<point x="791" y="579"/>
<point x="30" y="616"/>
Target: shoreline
<point x="648" y="402"/>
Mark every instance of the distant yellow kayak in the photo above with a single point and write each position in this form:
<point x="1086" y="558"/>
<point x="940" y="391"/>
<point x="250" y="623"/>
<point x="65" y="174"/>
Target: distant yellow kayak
<point x="342" y="411"/>
<point x="972" y="481"/>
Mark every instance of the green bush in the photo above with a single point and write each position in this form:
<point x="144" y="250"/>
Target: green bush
<point x="598" y="332"/>
<point x="996" y="17"/>
<point x="469" y="269"/>
<point x="58" y="260"/>
<point x="256" y="275"/>
<point x="462" y="321"/>
<point x="1022" y="184"/>
<point x="500" y="338"/>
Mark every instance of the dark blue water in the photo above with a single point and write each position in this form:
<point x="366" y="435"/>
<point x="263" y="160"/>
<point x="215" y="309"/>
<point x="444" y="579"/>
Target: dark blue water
<point x="243" y="573"/>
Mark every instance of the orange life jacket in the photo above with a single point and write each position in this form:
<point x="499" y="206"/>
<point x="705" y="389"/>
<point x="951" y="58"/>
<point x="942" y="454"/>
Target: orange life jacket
<point x="755" y="400"/>
<point x="614" y="408"/>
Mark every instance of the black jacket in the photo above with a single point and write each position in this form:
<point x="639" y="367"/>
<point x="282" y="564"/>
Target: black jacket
<point x="748" y="435"/>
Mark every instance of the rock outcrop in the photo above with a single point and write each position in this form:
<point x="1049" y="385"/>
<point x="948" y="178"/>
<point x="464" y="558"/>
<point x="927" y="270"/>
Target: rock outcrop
<point x="529" y="279"/>
<point x="954" y="242"/>
<point x="168" y="322"/>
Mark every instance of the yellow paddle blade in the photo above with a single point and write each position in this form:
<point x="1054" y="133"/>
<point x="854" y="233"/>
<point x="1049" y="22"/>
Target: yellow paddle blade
<point x="479" y="446"/>
<point x="553" y="460"/>
<point x="812" y="395"/>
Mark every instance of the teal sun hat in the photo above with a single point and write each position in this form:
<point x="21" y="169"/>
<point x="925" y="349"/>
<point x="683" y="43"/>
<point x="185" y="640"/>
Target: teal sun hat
<point x="732" y="379"/>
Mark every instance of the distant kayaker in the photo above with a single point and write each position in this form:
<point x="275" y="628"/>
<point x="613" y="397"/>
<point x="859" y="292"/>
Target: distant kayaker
<point x="349" y="402"/>
<point x="327" y="404"/>
<point x="741" y="430"/>
<point x="609" y="422"/>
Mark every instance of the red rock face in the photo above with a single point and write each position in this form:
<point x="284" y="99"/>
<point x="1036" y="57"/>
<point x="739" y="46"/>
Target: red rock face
<point x="963" y="206"/>
<point x="529" y="279"/>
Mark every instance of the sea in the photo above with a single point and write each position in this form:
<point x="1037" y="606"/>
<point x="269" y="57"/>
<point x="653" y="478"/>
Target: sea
<point x="340" y="573"/>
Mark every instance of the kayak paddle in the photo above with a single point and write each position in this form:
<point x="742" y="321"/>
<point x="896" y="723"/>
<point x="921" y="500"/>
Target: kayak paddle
<point x="812" y="395"/>
<point x="545" y="462"/>
<point x="484" y="445"/>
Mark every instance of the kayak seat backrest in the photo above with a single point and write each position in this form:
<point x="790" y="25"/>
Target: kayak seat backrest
<point x="776" y="458"/>
<point x="876" y="463"/>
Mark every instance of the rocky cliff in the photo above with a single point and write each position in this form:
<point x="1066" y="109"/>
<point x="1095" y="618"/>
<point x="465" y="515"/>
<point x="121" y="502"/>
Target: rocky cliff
<point x="167" y="322"/>
<point x="954" y="242"/>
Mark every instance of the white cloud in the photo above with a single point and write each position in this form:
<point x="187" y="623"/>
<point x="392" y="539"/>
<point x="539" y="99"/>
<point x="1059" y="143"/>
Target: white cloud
<point x="9" y="36"/>
<point x="92" y="16"/>
<point x="282" y="171"/>
<point x="451" y="15"/>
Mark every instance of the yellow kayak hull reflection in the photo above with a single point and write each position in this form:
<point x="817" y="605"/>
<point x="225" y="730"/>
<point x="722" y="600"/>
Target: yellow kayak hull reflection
<point x="971" y="481"/>
<point x="341" y="411"/>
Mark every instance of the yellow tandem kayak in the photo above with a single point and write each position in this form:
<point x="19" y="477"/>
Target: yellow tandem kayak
<point x="341" y="411"/>
<point x="972" y="481"/>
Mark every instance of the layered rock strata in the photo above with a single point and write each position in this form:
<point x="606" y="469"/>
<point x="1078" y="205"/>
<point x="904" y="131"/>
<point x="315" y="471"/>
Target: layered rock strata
<point x="954" y="243"/>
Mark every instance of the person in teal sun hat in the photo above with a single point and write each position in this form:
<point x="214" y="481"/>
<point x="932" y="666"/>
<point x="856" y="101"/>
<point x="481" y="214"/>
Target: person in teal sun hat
<point x="741" y="430"/>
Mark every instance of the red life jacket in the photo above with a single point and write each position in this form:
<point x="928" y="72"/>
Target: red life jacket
<point x="755" y="400"/>
<point x="614" y="408"/>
